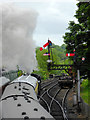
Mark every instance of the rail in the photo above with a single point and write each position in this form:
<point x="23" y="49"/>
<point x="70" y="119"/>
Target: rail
<point x="52" y="100"/>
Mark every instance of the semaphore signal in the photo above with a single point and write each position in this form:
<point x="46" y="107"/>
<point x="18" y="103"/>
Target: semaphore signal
<point x="46" y="54"/>
<point x="70" y="54"/>
<point x="45" y="45"/>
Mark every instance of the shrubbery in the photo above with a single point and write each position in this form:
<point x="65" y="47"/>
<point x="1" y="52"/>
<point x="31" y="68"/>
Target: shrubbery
<point x="57" y="55"/>
<point x="84" y="83"/>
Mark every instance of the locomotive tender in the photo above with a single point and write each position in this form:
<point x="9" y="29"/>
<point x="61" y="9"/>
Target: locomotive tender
<point x="19" y="100"/>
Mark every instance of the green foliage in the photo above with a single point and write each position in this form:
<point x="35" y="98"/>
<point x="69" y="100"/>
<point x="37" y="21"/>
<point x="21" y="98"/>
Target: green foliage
<point x="20" y="72"/>
<point x="84" y="83"/>
<point x="44" y="74"/>
<point x="78" y="36"/>
<point x="42" y="64"/>
<point x="57" y="55"/>
<point x="85" y="90"/>
<point x="84" y="94"/>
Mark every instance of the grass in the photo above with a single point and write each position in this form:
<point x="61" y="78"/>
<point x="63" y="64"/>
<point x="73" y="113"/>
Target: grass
<point x="85" y="95"/>
<point x="85" y="90"/>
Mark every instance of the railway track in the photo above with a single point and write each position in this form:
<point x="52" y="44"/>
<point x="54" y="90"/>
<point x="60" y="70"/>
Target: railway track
<point x="48" y="83"/>
<point x="53" y="98"/>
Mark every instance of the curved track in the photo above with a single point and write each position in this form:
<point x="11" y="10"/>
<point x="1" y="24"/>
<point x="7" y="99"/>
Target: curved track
<point x="52" y="101"/>
<point x="48" y="83"/>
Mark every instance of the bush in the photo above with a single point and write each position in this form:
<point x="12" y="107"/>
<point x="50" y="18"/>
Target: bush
<point x="84" y="83"/>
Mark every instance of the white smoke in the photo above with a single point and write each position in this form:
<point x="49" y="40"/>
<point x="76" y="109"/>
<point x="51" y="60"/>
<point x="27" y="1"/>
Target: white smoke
<point x="18" y="47"/>
<point x="0" y="38"/>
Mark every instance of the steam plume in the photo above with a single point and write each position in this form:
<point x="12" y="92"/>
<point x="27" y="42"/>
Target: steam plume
<point x="18" y="47"/>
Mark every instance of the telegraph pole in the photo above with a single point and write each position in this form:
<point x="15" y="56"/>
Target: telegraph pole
<point x="48" y="55"/>
<point x="48" y="50"/>
<point x="78" y="75"/>
<point x="49" y="43"/>
<point x="78" y="86"/>
<point x="78" y="80"/>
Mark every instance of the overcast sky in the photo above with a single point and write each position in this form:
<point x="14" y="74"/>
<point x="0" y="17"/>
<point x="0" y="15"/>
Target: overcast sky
<point x="53" y="18"/>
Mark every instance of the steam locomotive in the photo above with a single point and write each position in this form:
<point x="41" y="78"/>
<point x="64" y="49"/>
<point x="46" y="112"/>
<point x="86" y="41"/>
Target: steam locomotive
<point x="19" y="100"/>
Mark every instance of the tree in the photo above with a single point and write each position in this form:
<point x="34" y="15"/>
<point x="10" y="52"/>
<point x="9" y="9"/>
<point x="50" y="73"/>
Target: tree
<point x="78" y="36"/>
<point x="57" y="55"/>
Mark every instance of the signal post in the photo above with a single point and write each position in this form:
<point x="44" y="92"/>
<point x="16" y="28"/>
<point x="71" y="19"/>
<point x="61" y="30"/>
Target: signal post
<point x="77" y="99"/>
